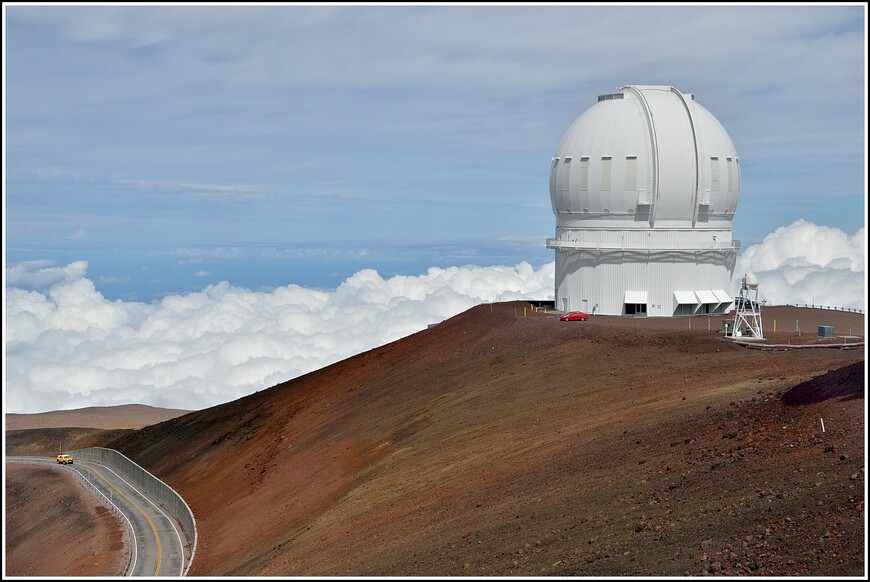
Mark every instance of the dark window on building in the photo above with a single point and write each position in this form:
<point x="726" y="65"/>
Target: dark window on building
<point x="635" y="308"/>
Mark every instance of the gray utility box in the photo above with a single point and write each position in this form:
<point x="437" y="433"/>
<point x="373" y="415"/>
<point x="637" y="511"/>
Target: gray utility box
<point x="826" y="331"/>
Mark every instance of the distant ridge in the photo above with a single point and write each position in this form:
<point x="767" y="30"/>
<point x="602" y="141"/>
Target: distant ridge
<point x="103" y="417"/>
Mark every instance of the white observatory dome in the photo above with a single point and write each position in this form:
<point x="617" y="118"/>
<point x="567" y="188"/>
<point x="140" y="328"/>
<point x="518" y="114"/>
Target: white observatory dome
<point x="643" y="157"/>
<point x="644" y="186"/>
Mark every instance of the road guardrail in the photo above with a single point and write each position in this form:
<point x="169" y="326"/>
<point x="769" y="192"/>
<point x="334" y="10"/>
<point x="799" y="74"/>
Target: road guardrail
<point x="160" y="491"/>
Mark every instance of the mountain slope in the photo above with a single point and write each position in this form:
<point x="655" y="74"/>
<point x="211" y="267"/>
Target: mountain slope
<point x="500" y="444"/>
<point x="56" y="527"/>
<point x="106" y="417"/>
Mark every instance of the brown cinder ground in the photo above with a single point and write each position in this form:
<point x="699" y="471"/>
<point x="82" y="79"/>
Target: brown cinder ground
<point x="497" y="444"/>
<point x="51" y="433"/>
<point x="55" y="527"/>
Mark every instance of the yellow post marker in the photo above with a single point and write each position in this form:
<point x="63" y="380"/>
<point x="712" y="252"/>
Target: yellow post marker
<point x="774" y="326"/>
<point x="524" y="311"/>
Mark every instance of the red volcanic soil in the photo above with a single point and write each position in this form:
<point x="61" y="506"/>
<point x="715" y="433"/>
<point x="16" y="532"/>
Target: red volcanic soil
<point x="46" y="434"/>
<point x="497" y="444"/>
<point x="48" y="442"/>
<point x="55" y="527"/>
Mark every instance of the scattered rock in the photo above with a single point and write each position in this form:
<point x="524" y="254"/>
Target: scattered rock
<point x="716" y="566"/>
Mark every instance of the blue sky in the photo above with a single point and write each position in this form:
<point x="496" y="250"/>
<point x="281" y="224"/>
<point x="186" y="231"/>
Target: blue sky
<point x="204" y="201"/>
<point x="173" y="147"/>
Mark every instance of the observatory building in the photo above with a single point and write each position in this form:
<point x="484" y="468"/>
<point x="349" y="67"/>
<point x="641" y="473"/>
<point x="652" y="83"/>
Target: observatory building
<point x="644" y="186"/>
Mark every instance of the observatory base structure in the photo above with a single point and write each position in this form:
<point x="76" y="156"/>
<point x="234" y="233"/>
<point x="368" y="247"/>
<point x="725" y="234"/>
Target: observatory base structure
<point x="644" y="186"/>
<point x="642" y="281"/>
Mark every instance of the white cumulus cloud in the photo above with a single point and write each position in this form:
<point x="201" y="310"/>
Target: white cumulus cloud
<point x="38" y="275"/>
<point x="70" y="347"/>
<point x="805" y="263"/>
<point x="67" y="346"/>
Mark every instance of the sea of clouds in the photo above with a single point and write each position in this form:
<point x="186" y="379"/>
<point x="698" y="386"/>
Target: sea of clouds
<point x="69" y="347"/>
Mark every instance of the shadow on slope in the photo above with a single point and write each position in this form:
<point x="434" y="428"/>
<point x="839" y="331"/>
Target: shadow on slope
<point x="846" y="383"/>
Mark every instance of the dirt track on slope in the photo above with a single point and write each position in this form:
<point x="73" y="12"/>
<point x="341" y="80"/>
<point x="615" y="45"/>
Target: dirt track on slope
<point x="496" y="444"/>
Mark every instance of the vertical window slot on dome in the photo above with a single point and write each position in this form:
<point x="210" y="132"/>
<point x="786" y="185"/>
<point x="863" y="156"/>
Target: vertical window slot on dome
<point x="714" y="174"/>
<point x="737" y="160"/>
<point x="566" y="175"/>
<point x="553" y="171"/>
<point x="584" y="174"/>
<point x="730" y="183"/>
<point x="631" y="173"/>
<point x="606" y="163"/>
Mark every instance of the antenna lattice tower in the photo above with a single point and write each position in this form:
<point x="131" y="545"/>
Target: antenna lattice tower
<point x="747" y="314"/>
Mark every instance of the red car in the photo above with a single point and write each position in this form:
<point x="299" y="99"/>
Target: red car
<point x="574" y="316"/>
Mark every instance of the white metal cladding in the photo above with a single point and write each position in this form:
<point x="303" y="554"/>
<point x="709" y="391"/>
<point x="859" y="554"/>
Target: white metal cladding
<point x="603" y="278"/>
<point x="659" y="239"/>
<point x="637" y="206"/>
<point x="676" y="158"/>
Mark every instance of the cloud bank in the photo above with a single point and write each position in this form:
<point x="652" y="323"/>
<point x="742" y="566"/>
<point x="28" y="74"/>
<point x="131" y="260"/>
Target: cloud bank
<point x="805" y="263"/>
<point x="67" y="346"/>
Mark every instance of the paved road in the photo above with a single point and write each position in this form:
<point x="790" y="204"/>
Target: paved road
<point x="157" y="547"/>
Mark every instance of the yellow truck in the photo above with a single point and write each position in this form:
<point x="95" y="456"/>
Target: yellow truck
<point x="64" y="459"/>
